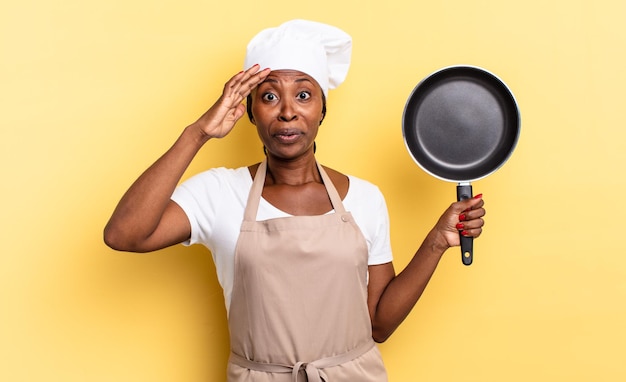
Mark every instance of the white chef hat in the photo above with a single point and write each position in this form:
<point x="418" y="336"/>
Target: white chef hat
<point x="319" y="50"/>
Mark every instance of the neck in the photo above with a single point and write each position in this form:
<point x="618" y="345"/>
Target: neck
<point x="293" y="172"/>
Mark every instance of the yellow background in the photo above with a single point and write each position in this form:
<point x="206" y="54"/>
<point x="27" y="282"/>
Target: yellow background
<point x="92" y="92"/>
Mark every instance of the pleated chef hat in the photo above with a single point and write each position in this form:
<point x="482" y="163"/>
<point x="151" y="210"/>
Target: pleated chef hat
<point x="319" y="50"/>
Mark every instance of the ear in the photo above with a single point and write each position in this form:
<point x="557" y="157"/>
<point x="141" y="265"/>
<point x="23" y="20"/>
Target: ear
<point x="323" y="108"/>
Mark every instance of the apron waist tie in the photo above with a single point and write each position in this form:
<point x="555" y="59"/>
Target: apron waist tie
<point x="312" y="369"/>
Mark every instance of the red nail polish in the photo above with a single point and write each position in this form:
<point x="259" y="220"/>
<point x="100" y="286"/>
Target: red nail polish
<point x="478" y="196"/>
<point x="462" y="217"/>
<point x="464" y="233"/>
<point x="459" y="226"/>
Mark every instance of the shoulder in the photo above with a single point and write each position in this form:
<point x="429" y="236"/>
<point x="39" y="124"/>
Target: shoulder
<point x="219" y="176"/>
<point x="214" y="185"/>
<point x="206" y="195"/>
<point x="353" y="187"/>
<point x="364" y="189"/>
<point x="340" y="181"/>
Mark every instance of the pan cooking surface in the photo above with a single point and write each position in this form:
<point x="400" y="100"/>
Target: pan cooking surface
<point x="461" y="123"/>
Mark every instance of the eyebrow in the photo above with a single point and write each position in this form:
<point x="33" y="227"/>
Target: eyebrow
<point x="272" y="80"/>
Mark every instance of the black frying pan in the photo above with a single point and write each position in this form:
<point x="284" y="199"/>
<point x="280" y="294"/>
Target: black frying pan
<point x="461" y="124"/>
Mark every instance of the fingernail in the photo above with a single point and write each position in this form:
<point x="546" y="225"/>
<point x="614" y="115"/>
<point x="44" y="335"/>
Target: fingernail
<point x="478" y="196"/>
<point x="464" y="233"/>
<point x="462" y="217"/>
<point x="459" y="226"/>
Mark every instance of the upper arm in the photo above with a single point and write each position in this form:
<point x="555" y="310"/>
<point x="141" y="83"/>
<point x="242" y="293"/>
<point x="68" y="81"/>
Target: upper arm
<point x="173" y="228"/>
<point x="379" y="277"/>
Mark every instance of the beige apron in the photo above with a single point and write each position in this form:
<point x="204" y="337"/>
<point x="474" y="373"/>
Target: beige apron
<point x="299" y="301"/>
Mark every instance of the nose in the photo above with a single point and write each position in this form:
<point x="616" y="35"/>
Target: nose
<point x="287" y="112"/>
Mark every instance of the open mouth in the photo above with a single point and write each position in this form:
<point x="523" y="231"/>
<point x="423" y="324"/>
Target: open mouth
<point x="288" y="135"/>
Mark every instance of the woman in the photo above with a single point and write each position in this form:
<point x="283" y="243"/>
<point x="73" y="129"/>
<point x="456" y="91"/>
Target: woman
<point x="302" y="251"/>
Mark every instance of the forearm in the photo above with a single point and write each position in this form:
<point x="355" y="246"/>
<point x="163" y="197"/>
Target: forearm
<point x="145" y="218"/>
<point x="139" y="211"/>
<point x="405" y="289"/>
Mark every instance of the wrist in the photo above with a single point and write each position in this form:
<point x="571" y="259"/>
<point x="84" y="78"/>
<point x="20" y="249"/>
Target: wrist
<point x="196" y="134"/>
<point x="437" y="242"/>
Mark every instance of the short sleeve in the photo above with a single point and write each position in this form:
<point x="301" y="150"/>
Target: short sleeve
<point x="199" y="197"/>
<point x="367" y="204"/>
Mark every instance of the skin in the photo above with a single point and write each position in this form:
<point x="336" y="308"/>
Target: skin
<point x="287" y="109"/>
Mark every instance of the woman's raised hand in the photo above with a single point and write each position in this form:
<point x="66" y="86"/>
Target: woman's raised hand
<point x="465" y="217"/>
<point x="220" y="119"/>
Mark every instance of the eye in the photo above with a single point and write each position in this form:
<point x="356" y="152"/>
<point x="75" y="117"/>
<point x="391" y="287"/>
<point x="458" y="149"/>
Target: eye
<point x="269" y="97"/>
<point x="303" y="95"/>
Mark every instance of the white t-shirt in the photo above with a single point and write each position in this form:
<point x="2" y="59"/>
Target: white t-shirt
<point x="215" y="200"/>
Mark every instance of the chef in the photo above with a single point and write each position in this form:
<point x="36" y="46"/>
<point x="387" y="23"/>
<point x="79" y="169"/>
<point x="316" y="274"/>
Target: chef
<point x="302" y="251"/>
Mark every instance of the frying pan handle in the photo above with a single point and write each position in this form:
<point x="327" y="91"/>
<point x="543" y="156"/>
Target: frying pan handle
<point x="464" y="191"/>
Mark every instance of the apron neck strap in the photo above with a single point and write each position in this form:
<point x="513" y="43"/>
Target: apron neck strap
<point x="257" y="189"/>
<point x="335" y="199"/>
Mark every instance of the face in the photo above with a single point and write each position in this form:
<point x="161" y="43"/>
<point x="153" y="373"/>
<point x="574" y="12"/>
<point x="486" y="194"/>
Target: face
<point x="287" y="109"/>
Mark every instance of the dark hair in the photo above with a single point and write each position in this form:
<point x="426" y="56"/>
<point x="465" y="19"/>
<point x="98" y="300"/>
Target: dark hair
<point x="249" y="107"/>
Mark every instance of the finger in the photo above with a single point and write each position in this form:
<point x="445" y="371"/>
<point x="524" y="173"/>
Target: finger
<point x="240" y="86"/>
<point x="250" y="75"/>
<point x="235" y="81"/>
<point x="467" y="216"/>
<point x="233" y="86"/>
<point x="472" y="232"/>
<point x="467" y="205"/>
<point x="470" y="224"/>
<point x="248" y="84"/>
<point x="471" y="227"/>
<point x="474" y="202"/>
<point x="252" y="70"/>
